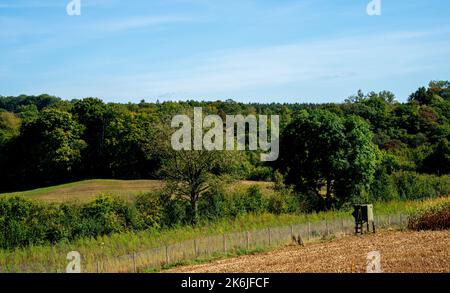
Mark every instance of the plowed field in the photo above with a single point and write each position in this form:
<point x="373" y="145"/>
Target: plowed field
<point x="400" y="252"/>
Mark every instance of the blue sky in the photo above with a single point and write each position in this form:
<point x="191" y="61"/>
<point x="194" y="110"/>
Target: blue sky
<point x="247" y="50"/>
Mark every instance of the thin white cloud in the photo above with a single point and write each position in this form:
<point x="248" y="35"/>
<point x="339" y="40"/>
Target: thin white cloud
<point x="16" y="27"/>
<point x="13" y="29"/>
<point x="135" y="23"/>
<point x="334" y="63"/>
<point x="30" y="4"/>
<point x="365" y="57"/>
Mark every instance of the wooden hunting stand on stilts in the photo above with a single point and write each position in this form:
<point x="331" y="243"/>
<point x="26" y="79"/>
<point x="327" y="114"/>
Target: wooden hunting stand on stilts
<point x="363" y="214"/>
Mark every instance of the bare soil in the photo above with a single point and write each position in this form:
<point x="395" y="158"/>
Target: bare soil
<point x="402" y="252"/>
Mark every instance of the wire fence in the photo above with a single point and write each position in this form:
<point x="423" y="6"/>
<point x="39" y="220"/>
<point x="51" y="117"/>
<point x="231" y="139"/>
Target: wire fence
<point x="205" y="247"/>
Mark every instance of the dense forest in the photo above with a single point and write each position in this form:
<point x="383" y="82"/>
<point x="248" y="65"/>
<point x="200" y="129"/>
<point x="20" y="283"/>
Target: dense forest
<point x="46" y="140"/>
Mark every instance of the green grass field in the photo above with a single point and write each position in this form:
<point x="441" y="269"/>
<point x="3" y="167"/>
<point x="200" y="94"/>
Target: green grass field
<point x="88" y="189"/>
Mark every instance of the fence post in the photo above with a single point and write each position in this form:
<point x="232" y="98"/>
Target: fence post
<point x="195" y="248"/>
<point x="270" y="237"/>
<point x="224" y="243"/>
<point x="401" y="220"/>
<point x="342" y="225"/>
<point x="326" y="225"/>
<point x="309" y="230"/>
<point x="292" y="232"/>
<point x="389" y="220"/>
<point x="134" y="263"/>
<point x="247" y="238"/>
<point x="167" y="255"/>
<point x="98" y="267"/>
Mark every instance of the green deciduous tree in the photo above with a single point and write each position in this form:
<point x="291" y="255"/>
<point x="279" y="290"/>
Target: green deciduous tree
<point x="438" y="162"/>
<point x="9" y="126"/>
<point x="330" y="156"/>
<point x="93" y="114"/>
<point x="190" y="174"/>
<point x="48" y="149"/>
<point x="130" y="148"/>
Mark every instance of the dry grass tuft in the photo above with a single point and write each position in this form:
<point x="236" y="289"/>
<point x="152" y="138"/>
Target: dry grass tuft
<point x="431" y="218"/>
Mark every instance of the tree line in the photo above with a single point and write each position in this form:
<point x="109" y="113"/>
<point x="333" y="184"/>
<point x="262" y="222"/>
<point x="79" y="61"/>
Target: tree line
<point x="332" y="153"/>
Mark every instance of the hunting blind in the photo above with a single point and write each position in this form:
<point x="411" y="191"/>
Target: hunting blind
<point x="363" y="214"/>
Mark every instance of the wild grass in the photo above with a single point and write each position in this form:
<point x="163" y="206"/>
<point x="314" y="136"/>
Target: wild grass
<point x="431" y="218"/>
<point x="45" y="258"/>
